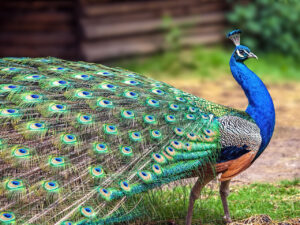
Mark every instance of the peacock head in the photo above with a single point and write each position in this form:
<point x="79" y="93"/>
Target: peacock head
<point x="241" y="52"/>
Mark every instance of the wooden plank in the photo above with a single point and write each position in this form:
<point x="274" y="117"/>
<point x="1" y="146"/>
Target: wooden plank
<point x="202" y="39"/>
<point x="199" y="30"/>
<point x="96" y="51"/>
<point x="37" y="38"/>
<point x="41" y="51"/>
<point x="206" y="7"/>
<point x="106" y="49"/>
<point x="37" y="17"/>
<point x="100" y="31"/>
<point x="35" y="27"/>
<point x="17" y="5"/>
<point x="131" y="7"/>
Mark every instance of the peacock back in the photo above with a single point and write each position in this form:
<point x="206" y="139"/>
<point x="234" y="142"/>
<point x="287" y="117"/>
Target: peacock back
<point x="82" y="142"/>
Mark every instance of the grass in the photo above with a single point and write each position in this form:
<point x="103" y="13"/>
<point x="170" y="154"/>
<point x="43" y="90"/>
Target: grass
<point x="211" y="63"/>
<point x="280" y="201"/>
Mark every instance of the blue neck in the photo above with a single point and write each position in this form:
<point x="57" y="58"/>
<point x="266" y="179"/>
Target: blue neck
<point x="260" y="104"/>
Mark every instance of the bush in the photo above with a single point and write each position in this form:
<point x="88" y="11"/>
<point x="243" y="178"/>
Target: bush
<point x="269" y="25"/>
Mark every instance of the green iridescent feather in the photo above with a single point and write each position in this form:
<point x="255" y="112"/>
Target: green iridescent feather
<point x="71" y="130"/>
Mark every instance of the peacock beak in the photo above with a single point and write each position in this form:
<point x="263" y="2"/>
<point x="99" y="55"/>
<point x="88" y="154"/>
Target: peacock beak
<point x="252" y="55"/>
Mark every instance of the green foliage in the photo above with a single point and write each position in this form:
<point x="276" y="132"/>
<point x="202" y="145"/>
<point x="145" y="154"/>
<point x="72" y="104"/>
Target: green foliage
<point x="212" y="63"/>
<point x="269" y="25"/>
<point x="172" y="33"/>
<point x="279" y="201"/>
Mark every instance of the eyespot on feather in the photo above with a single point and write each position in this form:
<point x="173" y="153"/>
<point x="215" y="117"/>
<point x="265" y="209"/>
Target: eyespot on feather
<point x="7" y="217"/>
<point x="135" y="136"/>
<point x="159" y="158"/>
<point x="87" y="211"/>
<point x="84" y="119"/>
<point x="105" y="193"/>
<point x="56" y="161"/>
<point x="110" y="129"/>
<point x="68" y="139"/>
<point x="14" y="185"/>
<point x="192" y="109"/>
<point x="145" y="176"/>
<point x="105" y="73"/>
<point x="57" y="108"/>
<point x="80" y="76"/>
<point x="180" y="99"/>
<point x="190" y="116"/>
<point x="21" y="152"/>
<point x="157" y="91"/>
<point x="155" y="134"/>
<point x="68" y="222"/>
<point x="10" y="113"/>
<point x="125" y="186"/>
<point x="187" y="146"/>
<point x="58" y="69"/>
<point x="170" y="151"/>
<point x="174" y="107"/>
<point x="131" y="94"/>
<point x="131" y="82"/>
<point x="209" y="132"/>
<point x="84" y="94"/>
<point x="152" y="102"/>
<point x="96" y="171"/>
<point x="157" y="169"/>
<point x="176" y="144"/>
<point x="126" y="151"/>
<point x="149" y="119"/>
<point x="108" y="86"/>
<point x="179" y="131"/>
<point x="127" y="114"/>
<point x="192" y="137"/>
<point x="105" y="103"/>
<point x="50" y="186"/>
<point x="100" y="147"/>
<point x="8" y="88"/>
<point x="170" y="118"/>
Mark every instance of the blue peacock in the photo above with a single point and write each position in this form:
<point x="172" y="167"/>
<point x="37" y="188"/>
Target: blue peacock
<point x="83" y="143"/>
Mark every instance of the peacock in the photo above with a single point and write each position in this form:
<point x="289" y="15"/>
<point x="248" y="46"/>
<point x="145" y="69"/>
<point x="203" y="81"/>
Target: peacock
<point x="83" y="143"/>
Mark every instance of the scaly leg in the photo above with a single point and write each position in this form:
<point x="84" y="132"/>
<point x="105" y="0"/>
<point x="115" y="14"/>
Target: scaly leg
<point x="224" y="192"/>
<point x="195" y="192"/>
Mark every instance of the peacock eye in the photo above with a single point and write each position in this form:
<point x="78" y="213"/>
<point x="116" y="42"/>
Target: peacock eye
<point x="240" y="53"/>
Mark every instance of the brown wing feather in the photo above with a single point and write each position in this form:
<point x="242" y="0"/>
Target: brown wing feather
<point x="232" y="168"/>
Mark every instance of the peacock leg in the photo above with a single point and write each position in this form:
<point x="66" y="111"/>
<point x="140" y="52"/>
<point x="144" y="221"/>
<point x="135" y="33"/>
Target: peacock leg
<point x="194" y="195"/>
<point x="224" y="192"/>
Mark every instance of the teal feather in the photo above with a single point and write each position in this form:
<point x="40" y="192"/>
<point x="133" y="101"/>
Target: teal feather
<point x="71" y="130"/>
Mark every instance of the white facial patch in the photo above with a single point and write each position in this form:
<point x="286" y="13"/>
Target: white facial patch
<point x="239" y="54"/>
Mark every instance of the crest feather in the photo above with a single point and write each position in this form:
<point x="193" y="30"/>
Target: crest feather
<point x="235" y="36"/>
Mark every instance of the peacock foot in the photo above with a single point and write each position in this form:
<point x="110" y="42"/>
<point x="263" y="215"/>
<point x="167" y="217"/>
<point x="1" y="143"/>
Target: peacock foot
<point x="227" y="219"/>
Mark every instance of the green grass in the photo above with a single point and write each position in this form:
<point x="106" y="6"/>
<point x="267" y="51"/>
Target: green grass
<point x="279" y="201"/>
<point x="211" y="63"/>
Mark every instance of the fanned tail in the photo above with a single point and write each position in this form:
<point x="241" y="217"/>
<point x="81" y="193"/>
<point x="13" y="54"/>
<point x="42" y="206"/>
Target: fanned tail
<point x="81" y="142"/>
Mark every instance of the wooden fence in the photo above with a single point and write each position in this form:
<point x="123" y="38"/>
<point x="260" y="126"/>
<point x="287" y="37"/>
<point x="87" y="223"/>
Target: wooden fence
<point x="97" y="30"/>
<point x="38" y="28"/>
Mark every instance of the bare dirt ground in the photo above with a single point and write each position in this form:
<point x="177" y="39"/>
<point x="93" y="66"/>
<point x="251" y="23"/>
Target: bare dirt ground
<point x="281" y="159"/>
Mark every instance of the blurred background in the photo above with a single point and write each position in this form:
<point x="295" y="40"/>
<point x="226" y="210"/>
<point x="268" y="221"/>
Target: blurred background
<point x="183" y="43"/>
<point x="164" y="36"/>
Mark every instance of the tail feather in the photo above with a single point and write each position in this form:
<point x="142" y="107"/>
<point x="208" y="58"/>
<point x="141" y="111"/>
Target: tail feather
<point x="81" y="141"/>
